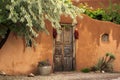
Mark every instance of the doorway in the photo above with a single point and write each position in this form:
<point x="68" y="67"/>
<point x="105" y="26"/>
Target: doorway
<point x="63" y="52"/>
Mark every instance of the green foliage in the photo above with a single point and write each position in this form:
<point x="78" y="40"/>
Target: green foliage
<point x="3" y="31"/>
<point x="105" y="63"/>
<point x="85" y="70"/>
<point x="27" y="17"/>
<point x="95" y="14"/>
<point x="112" y="13"/>
<point x="44" y="63"/>
<point x="3" y="18"/>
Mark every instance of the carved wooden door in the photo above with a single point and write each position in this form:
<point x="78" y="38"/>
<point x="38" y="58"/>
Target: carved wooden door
<point x="63" y="56"/>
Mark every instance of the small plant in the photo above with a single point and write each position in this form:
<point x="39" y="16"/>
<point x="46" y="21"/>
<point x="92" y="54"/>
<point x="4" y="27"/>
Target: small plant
<point x="94" y="68"/>
<point x="85" y="70"/>
<point x="105" y="63"/>
<point x="44" y="63"/>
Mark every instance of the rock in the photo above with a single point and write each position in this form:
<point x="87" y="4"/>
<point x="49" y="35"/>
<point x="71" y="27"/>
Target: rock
<point x="2" y="73"/>
<point x="103" y="71"/>
<point x="31" y="75"/>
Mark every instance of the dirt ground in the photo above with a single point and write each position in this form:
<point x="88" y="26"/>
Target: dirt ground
<point x="67" y="76"/>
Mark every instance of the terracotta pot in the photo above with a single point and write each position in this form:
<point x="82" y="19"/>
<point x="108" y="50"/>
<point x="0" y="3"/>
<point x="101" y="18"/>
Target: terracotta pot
<point x="45" y="70"/>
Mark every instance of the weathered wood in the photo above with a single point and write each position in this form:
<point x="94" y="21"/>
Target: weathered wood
<point x="63" y="56"/>
<point x="58" y="63"/>
<point x="68" y="61"/>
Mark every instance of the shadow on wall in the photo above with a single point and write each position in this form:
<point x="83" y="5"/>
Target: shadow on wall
<point x="2" y="41"/>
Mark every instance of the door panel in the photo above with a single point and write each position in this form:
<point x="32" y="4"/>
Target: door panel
<point x="68" y="63"/>
<point x="67" y="35"/>
<point x="59" y="38"/>
<point x="58" y="58"/>
<point x="68" y="50"/>
<point x="58" y="63"/>
<point x="63" y="56"/>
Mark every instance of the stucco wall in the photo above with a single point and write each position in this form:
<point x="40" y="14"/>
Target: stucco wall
<point x="89" y="47"/>
<point x="96" y="3"/>
<point x="15" y="59"/>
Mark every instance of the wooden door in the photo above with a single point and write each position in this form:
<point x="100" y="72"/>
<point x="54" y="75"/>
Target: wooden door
<point x="63" y="56"/>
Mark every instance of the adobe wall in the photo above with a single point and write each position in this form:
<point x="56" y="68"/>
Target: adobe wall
<point x="96" y="3"/>
<point x="16" y="59"/>
<point x="89" y="47"/>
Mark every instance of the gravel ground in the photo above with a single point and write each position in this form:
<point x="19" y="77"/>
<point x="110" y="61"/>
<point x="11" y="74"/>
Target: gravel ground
<point x="68" y="76"/>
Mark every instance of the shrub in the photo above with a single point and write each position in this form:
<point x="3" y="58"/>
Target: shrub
<point x="105" y="63"/>
<point x="111" y="13"/>
<point x="94" y="68"/>
<point x="85" y="70"/>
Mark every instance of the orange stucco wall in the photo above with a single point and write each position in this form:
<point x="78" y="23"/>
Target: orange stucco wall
<point x="96" y="3"/>
<point x="89" y="47"/>
<point x="15" y="59"/>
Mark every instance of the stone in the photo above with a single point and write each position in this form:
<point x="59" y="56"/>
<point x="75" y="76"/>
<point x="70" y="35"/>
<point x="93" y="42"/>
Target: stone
<point x="31" y="75"/>
<point x="103" y="71"/>
<point x="2" y="73"/>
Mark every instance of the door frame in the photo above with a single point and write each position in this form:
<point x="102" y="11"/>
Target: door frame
<point x="74" y="48"/>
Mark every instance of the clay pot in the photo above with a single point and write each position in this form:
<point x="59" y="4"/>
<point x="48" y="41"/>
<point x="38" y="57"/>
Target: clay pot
<point x="45" y="70"/>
